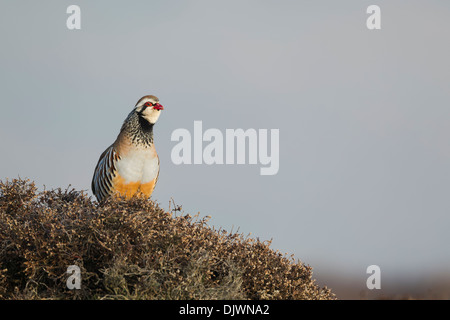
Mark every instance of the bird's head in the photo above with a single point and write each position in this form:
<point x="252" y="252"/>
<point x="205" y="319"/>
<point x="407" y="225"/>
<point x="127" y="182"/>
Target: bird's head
<point x="148" y="108"/>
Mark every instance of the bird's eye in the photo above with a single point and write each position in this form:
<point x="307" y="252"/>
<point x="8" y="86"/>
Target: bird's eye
<point x="147" y="104"/>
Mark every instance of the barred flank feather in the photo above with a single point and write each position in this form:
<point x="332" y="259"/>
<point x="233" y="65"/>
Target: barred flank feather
<point x="104" y="172"/>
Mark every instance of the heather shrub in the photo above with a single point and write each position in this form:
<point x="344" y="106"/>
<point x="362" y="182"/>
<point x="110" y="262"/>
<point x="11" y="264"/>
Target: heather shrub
<point x="133" y="249"/>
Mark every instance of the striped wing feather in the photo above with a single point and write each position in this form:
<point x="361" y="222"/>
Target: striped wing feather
<point x="104" y="173"/>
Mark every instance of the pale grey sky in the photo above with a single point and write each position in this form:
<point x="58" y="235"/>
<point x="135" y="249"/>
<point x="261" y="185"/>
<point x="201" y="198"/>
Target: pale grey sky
<point x="364" y="116"/>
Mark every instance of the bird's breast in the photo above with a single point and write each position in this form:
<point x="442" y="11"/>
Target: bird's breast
<point x="138" y="166"/>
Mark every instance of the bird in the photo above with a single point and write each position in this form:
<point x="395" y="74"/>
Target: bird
<point x="130" y="166"/>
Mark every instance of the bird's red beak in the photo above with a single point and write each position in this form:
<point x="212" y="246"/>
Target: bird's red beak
<point x="158" y="106"/>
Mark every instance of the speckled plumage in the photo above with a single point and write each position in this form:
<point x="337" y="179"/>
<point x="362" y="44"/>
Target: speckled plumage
<point x="138" y="129"/>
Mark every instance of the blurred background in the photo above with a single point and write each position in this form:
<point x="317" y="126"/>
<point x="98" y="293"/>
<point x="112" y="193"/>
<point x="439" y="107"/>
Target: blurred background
<point x="363" y="115"/>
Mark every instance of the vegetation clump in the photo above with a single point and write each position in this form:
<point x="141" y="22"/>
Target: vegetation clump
<point x="133" y="249"/>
